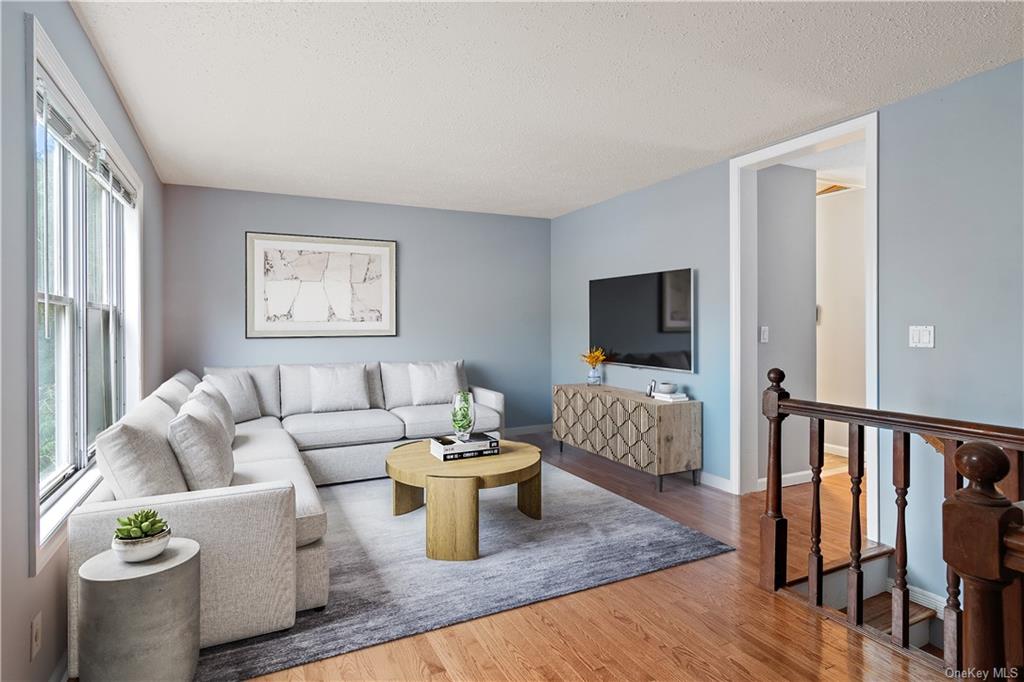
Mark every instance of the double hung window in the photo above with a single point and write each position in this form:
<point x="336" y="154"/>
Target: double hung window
<point x="80" y="205"/>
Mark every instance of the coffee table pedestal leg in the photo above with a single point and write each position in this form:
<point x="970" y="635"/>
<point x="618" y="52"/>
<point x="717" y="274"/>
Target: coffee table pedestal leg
<point x="529" y="501"/>
<point x="405" y="498"/>
<point x="453" y="518"/>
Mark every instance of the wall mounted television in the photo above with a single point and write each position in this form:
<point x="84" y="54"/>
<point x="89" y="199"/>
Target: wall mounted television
<point x="645" y="320"/>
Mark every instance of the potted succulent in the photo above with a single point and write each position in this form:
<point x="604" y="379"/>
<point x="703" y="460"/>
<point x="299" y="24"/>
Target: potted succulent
<point x="463" y="415"/>
<point x="141" y="536"/>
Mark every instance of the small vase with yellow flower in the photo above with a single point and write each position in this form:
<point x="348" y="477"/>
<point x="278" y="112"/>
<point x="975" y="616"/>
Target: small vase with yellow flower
<point x="594" y="358"/>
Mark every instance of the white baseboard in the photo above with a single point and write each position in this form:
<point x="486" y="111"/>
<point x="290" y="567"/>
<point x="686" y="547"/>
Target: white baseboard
<point x="840" y="450"/>
<point x="794" y="478"/>
<point x="715" y="481"/>
<point x="924" y="598"/>
<point x="523" y="430"/>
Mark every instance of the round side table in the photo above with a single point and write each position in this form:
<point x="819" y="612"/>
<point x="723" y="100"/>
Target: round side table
<point x="140" y="620"/>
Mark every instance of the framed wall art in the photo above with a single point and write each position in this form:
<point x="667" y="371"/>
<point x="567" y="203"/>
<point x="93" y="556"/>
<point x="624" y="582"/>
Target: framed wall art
<point x="319" y="286"/>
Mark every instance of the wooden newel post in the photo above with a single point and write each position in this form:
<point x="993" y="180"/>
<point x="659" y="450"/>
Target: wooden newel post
<point x="974" y="522"/>
<point x="773" y="523"/>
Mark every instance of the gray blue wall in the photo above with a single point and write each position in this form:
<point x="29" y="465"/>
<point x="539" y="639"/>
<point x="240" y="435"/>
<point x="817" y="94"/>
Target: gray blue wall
<point x="22" y="596"/>
<point x="678" y="223"/>
<point x="470" y="285"/>
<point x="786" y="292"/>
<point x="951" y="245"/>
<point x="951" y="253"/>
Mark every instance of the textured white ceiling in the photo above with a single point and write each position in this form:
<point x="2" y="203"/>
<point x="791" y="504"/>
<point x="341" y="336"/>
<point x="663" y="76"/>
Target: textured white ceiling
<point x="529" y="109"/>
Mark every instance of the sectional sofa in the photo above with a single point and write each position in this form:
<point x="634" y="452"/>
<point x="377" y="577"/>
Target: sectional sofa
<point x="262" y="552"/>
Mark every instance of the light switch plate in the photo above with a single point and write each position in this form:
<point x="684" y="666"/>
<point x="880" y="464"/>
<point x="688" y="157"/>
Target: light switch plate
<point x="922" y="336"/>
<point x="764" y="334"/>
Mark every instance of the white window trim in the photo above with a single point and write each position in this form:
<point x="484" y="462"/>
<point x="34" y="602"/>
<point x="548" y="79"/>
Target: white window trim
<point x="48" y="530"/>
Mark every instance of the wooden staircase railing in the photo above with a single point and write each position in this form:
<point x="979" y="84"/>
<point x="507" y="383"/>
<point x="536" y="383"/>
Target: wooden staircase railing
<point x="983" y="542"/>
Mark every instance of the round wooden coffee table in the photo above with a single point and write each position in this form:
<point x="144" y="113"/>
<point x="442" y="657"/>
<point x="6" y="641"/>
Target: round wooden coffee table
<point x="452" y="492"/>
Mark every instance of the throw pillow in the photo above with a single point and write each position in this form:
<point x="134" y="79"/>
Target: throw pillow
<point x="202" y="446"/>
<point x="434" y="383"/>
<point x="134" y="456"/>
<point x="208" y="394"/>
<point x="172" y="392"/>
<point x="338" y="388"/>
<point x="240" y="392"/>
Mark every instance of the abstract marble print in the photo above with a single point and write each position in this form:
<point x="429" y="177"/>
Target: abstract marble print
<point x="319" y="286"/>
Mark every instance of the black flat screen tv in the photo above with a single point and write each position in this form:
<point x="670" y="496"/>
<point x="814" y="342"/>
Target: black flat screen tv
<point x="645" y="320"/>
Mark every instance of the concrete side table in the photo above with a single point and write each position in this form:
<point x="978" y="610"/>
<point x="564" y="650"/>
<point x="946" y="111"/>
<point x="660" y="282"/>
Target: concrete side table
<point x="140" y="621"/>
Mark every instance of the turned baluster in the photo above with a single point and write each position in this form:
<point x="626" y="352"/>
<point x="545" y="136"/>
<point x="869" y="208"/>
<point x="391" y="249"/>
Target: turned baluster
<point x="814" y="561"/>
<point x="773" y="523"/>
<point x="854" y="575"/>
<point x="952" y="616"/>
<point x="974" y="524"/>
<point x="900" y="591"/>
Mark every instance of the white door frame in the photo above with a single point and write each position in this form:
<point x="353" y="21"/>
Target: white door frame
<point x="743" y="472"/>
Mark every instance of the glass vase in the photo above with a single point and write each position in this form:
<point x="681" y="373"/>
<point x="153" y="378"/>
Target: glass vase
<point x="463" y="415"/>
<point x="594" y="376"/>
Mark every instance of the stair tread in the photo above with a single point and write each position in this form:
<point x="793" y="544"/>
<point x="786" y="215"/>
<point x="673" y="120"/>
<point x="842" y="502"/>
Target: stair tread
<point x="878" y="612"/>
<point x="870" y="551"/>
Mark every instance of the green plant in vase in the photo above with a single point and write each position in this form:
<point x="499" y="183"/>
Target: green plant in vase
<point x="463" y="414"/>
<point x="141" y="524"/>
<point x="140" y="536"/>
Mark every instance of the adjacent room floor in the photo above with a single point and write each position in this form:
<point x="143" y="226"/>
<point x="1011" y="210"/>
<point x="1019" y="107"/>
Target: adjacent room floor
<point x="706" y="619"/>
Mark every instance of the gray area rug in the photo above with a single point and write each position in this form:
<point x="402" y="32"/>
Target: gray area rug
<point x="384" y="588"/>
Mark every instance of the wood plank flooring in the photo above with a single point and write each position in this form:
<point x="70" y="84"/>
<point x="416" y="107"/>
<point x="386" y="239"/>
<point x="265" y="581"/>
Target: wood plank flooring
<point x="703" y="620"/>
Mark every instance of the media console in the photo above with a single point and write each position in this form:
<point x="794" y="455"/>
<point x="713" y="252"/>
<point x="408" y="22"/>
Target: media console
<point x="654" y="436"/>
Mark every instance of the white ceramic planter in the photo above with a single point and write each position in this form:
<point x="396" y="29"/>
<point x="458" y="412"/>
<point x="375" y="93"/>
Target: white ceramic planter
<point x="143" y="549"/>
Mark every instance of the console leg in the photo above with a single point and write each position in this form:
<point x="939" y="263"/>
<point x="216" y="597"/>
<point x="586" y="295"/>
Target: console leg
<point x="661" y="483"/>
<point x="696" y="476"/>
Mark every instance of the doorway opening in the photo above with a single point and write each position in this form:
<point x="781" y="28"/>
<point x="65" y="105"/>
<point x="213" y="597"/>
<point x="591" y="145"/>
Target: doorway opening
<point x="803" y="270"/>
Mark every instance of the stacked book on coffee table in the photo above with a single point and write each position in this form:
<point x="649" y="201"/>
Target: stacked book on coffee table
<point x="449" y="448"/>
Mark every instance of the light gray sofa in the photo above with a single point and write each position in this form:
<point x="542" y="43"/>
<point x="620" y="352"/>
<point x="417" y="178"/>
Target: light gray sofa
<point x="349" y="446"/>
<point x="262" y="554"/>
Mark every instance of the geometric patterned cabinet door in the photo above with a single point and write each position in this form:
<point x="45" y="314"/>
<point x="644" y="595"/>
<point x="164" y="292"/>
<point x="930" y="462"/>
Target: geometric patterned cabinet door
<point x="627" y="427"/>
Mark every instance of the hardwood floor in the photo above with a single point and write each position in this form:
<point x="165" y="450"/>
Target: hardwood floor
<point x="703" y="620"/>
<point x="834" y="463"/>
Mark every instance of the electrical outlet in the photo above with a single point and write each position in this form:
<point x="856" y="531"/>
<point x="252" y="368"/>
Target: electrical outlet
<point x="36" y="635"/>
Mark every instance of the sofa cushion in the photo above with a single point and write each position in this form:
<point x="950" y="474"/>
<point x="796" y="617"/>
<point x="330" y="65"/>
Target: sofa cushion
<point x="172" y="392"/>
<point x="398" y="386"/>
<point x="240" y="392"/>
<point x="295" y="390"/>
<point x="187" y="378"/>
<point x="328" y="429"/>
<point x="424" y="421"/>
<point x="310" y="517"/>
<point x="134" y="456"/>
<point x="433" y="383"/>
<point x="261" y="424"/>
<point x="201" y="444"/>
<point x="340" y="388"/>
<point x="267" y="379"/>
<point x="208" y="395"/>
<point x="262" y="444"/>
